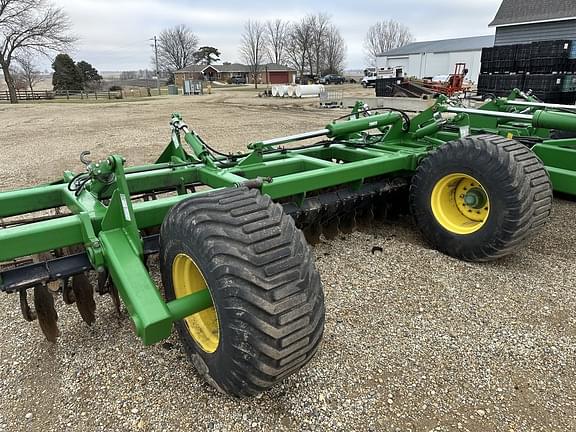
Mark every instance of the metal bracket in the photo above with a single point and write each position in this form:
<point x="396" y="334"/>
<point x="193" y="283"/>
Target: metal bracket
<point x="120" y="213"/>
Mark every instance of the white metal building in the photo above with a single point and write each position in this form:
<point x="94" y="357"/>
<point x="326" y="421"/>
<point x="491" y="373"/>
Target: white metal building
<point x="432" y="58"/>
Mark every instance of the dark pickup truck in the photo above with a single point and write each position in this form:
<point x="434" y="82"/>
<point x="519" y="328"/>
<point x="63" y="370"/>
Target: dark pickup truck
<point x="332" y="79"/>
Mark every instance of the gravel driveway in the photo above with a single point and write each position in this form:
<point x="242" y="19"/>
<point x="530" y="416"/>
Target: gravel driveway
<point x="414" y="340"/>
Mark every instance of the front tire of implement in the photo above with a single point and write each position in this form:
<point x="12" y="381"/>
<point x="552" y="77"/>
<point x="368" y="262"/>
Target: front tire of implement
<point x="481" y="197"/>
<point x="267" y="317"/>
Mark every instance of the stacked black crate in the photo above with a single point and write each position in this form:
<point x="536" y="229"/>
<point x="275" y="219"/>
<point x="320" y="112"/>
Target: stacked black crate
<point x="547" y="68"/>
<point x="569" y="88"/>
<point x="486" y="64"/>
<point x="498" y="72"/>
<point x="505" y="59"/>
<point x="522" y="58"/>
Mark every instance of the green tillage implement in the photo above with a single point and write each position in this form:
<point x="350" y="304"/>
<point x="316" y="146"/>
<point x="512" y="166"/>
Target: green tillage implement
<point x="547" y="129"/>
<point x="240" y="285"/>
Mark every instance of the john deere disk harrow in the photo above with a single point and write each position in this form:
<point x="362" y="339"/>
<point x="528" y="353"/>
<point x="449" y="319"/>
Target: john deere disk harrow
<point x="239" y="281"/>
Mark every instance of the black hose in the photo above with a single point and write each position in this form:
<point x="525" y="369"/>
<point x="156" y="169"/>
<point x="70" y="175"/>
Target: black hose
<point x="74" y="180"/>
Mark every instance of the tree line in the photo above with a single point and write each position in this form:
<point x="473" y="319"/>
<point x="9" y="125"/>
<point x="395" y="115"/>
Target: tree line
<point x="312" y="45"/>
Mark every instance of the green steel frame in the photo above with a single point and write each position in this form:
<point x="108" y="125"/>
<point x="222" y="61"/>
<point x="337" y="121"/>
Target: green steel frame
<point x="108" y="221"/>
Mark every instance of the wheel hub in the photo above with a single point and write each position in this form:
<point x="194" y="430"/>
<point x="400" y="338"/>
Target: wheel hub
<point x="475" y="198"/>
<point x="460" y="203"/>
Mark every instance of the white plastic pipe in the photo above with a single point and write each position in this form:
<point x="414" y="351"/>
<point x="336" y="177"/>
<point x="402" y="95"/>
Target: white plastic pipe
<point x="309" y="90"/>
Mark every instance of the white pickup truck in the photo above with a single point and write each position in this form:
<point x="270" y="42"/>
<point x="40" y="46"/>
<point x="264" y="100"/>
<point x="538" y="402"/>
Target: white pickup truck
<point x="371" y="75"/>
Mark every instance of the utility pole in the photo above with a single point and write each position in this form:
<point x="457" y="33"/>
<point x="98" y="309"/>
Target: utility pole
<point x="157" y="69"/>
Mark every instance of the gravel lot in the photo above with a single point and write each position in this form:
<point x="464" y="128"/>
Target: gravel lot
<point x="414" y="340"/>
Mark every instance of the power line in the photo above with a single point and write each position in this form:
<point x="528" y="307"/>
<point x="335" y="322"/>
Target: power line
<point x="157" y="69"/>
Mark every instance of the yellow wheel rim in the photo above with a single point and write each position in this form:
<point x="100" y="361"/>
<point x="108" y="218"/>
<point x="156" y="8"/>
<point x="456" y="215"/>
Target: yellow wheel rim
<point x="202" y="326"/>
<point x="460" y="203"/>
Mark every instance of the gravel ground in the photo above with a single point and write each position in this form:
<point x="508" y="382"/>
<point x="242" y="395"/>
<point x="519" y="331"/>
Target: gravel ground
<point x="414" y="340"/>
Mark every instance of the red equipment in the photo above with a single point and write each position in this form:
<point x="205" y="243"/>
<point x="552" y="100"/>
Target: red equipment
<point x="454" y="84"/>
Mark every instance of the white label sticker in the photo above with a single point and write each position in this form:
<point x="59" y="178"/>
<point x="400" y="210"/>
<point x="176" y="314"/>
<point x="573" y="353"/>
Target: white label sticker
<point x="559" y="80"/>
<point x="566" y="46"/>
<point x="125" y="207"/>
<point x="464" y="131"/>
<point x="373" y="124"/>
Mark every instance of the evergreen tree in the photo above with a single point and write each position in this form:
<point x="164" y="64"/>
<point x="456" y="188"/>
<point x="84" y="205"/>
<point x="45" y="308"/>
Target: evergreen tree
<point x="206" y="55"/>
<point x="66" y="75"/>
<point x="89" y="74"/>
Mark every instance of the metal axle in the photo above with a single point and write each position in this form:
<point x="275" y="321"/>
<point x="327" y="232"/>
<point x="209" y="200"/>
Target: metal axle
<point x="508" y="115"/>
<point x="541" y="105"/>
<point x="297" y="137"/>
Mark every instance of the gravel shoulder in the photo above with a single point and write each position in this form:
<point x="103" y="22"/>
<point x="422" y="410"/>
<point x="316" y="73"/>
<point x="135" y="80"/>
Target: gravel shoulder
<point x="414" y="340"/>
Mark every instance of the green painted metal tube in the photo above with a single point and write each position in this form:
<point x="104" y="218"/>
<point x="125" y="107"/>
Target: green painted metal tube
<point x="38" y="237"/>
<point x="554" y="120"/>
<point x="560" y="163"/>
<point x="158" y="179"/>
<point x="151" y="316"/>
<point x="273" y="168"/>
<point x="189" y="305"/>
<point x="42" y="236"/>
<point x="21" y="201"/>
<point x="563" y="180"/>
<point x="345" y="128"/>
<point x="219" y="178"/>
<point x="313" y="163"/>
<point x="427" y="130"/>
<point x="340" y="174"/>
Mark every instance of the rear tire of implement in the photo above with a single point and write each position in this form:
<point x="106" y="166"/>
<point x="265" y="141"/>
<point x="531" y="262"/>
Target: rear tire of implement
<point x="507" y="176"/>
<point x="267" y="294"/>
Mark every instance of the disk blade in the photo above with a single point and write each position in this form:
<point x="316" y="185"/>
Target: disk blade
<point x="47" y="316"/>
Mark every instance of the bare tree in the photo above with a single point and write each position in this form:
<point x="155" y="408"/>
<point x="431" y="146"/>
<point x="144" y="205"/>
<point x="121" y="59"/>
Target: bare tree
<point x="18" y="78"/>
<point x="384" y="36"/>
<point x="29" y="70"/>
<point x="277" y="40"/>
<point x="299" y="41"/>
<point x="176" y="48"/>
<point x="30" y="25"/>
<point x="253" y="47"/>
<point x="334" y="51"/>
<point x="320" y="24"/>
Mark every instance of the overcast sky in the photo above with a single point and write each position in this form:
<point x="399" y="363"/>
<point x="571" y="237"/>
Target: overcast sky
<point x="114" y="34"/>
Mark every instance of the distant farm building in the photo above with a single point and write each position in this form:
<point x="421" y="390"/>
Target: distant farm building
<point x="433" y="58"/>
<point x="525" y="21"/>
<point x="270" y="73"/>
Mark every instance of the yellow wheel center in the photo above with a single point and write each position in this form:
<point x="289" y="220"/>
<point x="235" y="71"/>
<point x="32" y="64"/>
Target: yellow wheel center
<point x="202" y="326"/>
<point x="460" y="203"/>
